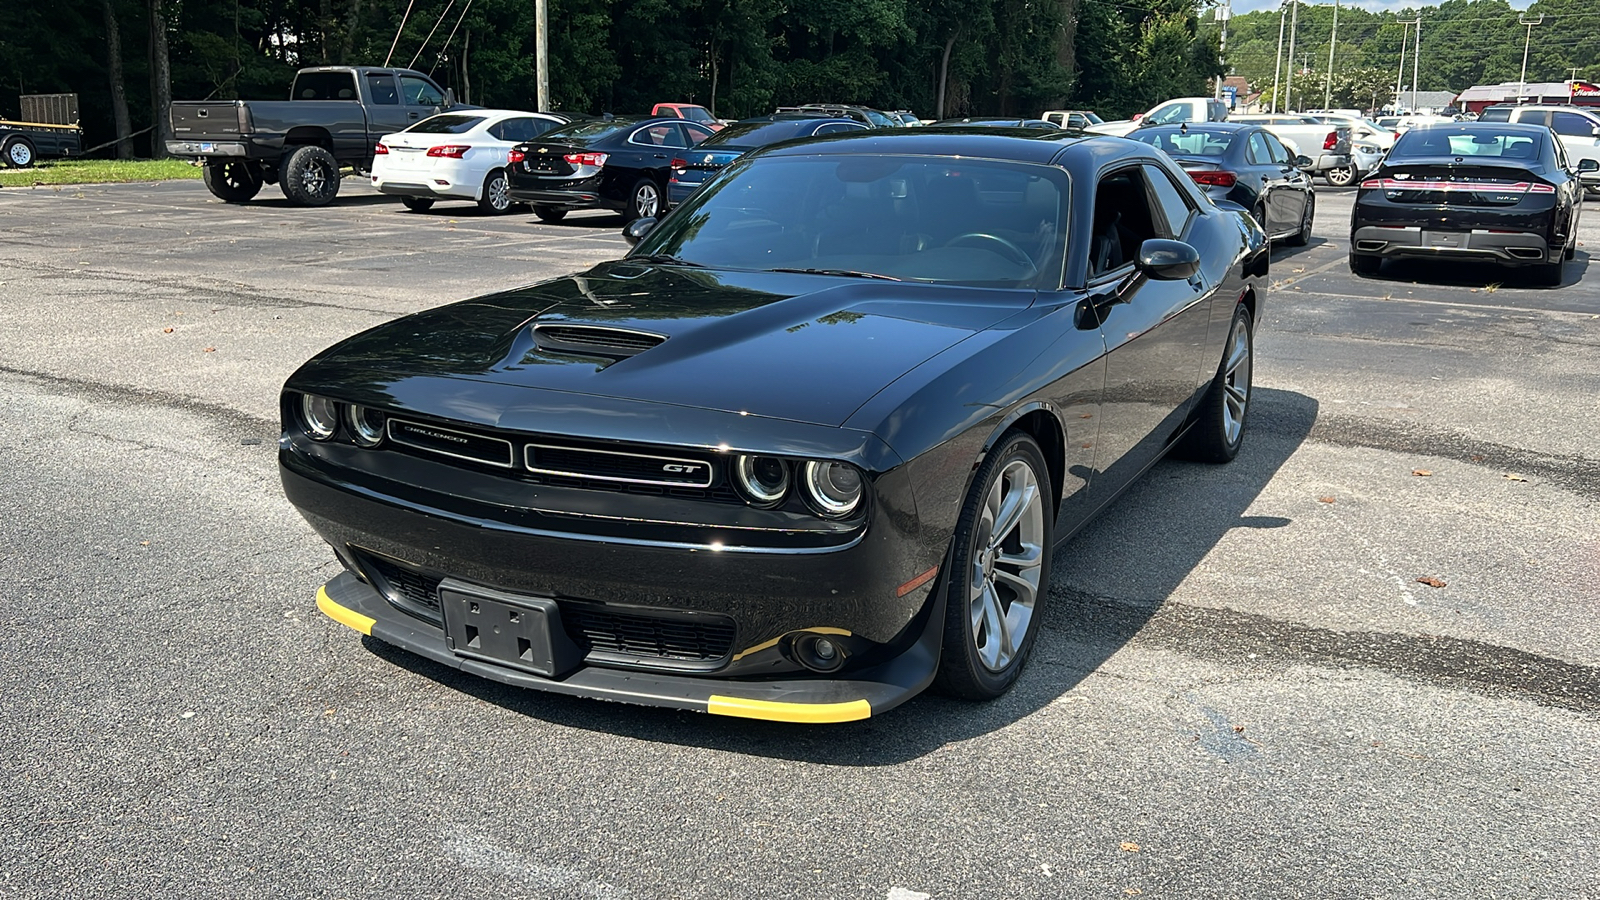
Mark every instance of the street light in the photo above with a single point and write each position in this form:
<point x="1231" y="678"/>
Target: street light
<point x="1400" y="76"/>
<point x="1522" y="82"/>
<point x="1327" y="87"/>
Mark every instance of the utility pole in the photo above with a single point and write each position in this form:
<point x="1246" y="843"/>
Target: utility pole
<point x="1277" y="61"/>
<point x="1288" y="77"/>
<point x="541" y="52"/>
<point x="1224" y="13"/>
<point x="1570" y="86"/>
<point x="1327" y="88"/>
<point x="1416" y="60"/>
<point x="1400" y="76"/>
<point x="1522" y="82"/>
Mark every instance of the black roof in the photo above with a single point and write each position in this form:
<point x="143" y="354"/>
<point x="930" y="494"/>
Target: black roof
<point x="1020" y="144"/>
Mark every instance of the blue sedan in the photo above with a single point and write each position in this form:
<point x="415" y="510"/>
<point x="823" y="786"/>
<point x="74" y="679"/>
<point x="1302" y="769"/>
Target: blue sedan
<point x="695" y="167"/>
<point x="1247" y="165"/>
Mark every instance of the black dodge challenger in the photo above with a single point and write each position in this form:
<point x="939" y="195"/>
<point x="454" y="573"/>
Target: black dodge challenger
<point x="804" y="451"/>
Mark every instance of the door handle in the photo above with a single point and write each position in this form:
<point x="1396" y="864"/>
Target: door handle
<point x="411" y="115"/>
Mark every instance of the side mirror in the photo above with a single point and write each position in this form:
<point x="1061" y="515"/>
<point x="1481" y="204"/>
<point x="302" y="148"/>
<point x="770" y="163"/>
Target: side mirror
<point x="1595" y="131"/>
<point x="635" y="231"/>
<point x="1165" y="260"/>
<point x="1588" y="165"/>
<point x="449" y="98"/>
<point x="1301" y="161"/>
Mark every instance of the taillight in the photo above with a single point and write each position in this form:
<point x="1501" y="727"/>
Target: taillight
<point x="585" y="159"/>
<point x="380" y="150"/>
<point x="516" y="156"/>
<point x="1541" y="189"/>
<point x="453" y="151"/>
<point x="1214" y="179"/>
<point x="1331" y="141"/>
<point x="1372" y="183"/>
<point x="680" y="166"/>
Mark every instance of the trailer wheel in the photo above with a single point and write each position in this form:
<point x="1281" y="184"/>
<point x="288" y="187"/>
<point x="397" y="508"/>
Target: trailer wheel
<point x="232" y="181"/>
<point x="19" y="153"/>
<point x="309" y="176"/>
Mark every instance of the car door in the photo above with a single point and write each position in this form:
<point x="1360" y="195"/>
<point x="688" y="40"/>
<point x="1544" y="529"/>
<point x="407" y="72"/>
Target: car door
<point x="1154" y="331"/>
<point x="420" y="97"/>
<point x="1579" y="134"/>
<point x="1293" y="187"/>
<point x="385" y="114"/>
<point x="1267" y="179"/>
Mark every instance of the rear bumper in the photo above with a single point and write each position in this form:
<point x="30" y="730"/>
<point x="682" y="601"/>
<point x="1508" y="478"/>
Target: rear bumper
<point x="1517" y="248"/>
<point x="1325" y="161"/>
<point x="206" y="148"/>
<point x="574" y="199"/>
<point x="814" y="700"/>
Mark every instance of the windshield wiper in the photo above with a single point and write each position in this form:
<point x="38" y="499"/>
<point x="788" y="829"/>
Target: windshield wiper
<point x="665" y="259"/>
<point x="846" y="273"/>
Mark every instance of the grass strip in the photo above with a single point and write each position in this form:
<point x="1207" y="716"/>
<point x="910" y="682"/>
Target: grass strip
<point x="98" y="171"/>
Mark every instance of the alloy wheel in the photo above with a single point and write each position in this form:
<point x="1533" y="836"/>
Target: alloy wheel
<point x="1341" y="176"/>
<point x="1007" y="558"/>
<point x="314" y="178"/>
<point x="646" y="200"/>
<point x="1236" y="380"/>
<point x="499" y="193"/>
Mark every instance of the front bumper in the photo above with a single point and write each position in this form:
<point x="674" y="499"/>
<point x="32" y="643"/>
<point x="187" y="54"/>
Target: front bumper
<point x="812" y="700"/>
<point x="1516" y="248"/>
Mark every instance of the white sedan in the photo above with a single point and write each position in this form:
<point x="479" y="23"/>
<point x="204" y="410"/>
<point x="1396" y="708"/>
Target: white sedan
<point x="457" y="155"/>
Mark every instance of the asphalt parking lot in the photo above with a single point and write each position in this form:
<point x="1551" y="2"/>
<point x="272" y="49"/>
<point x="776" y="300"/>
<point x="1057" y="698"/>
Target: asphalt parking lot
<point x="1243" y="689"/>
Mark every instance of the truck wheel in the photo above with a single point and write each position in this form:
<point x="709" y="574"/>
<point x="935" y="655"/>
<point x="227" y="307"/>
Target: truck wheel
<point x="496" y="198"/>
<point x="1340" y="176"/>
<point x="418" y="204"/>
<point x="310" y="176"/>
<point x="551" y="214"/>
<point x="232" y="181"/>
<point x="19" y="153"/>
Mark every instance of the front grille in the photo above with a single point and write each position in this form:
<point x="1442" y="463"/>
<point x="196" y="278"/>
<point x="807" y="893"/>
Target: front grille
<point x="721" y="492"/>
<point x="614" y="465"/>
<point x="412" y="590"/>
<point x="704" y="639"/>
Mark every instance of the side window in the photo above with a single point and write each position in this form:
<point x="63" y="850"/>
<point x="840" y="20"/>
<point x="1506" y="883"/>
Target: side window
<point x="1534" y="117"/>
<point x="1257" y="150"/>
<point x="1122" y="221"/>
<point x="1571" y="124"/>
<point x="537" y="127"/>
<point x="381" y="87"/>
<point x="419" y="92"/>
<point x="1280" y="153"/>
<point x="515" y="130"/>
<point x="696" y="134"/>
<point x="836" y="127"/>
<point x="1174" y="208"/>
<point x="1077" y="121"/>
<point x="666" y="134"/>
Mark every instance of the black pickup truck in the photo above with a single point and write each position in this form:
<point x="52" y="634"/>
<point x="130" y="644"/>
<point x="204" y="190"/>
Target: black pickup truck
<point x="333" y="118"/>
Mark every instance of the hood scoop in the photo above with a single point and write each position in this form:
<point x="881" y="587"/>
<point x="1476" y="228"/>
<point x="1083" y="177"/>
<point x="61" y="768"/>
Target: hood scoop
<point x="594" y="340"/>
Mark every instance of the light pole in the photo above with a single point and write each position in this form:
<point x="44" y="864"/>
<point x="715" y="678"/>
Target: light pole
<point x="1288" y="76"/>
<point x="1327" y="87"/>
<point x="1416" y="63"/>
<point x="1277" y="61"/>
<point x="1224" y="13"/>
<point x="1522" y="82"/>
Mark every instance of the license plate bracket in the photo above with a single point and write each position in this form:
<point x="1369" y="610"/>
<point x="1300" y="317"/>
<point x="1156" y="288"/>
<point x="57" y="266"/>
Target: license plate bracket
<point x="513" y="630"/>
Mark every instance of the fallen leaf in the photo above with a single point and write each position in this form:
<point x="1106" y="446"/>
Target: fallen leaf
<point x="1422" y="472"/>
<point x="1132" y="891"/>
<point x="166" y="331"/>
<point x="211" y="349"/>
<point x="1238" y="729"/>
<point x="1430" y="581"/>
<point x="1086" y="416"/>
<point x="144" y="543"/>
<point x="1477" y="457"/>
<point x="1324" y="499"/>
<point x="1515" y="477"/>
<point x="1130" y="847"/>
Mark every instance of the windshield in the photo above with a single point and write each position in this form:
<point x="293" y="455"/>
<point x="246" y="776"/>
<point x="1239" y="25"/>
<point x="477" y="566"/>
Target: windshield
<point x="934" y="220"/>
<point x="1477" y="142"/>
<point x="1495" y="114"/>
<point x="1169" y="114"/>
<point x="446" y="124"/>
<point x="696" y="114"/>
<point x="595" y="128"/>
<point x="1194" y="142"/>
<point x="1093" y="119"/>
<point x="744" y="135"/>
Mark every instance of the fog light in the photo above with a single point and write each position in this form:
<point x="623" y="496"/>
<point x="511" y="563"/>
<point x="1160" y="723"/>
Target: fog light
<point x="819" y="654"/>
<point x="824" y="649"/>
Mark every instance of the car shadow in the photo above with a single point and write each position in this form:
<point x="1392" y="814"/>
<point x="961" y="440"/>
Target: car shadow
<point x="1473" y="274"/>
<point x="1108" y="581"/>
<point x="343" y="199"/>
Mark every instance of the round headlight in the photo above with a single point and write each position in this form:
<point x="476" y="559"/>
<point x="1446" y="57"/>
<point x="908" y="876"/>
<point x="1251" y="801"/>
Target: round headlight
<point x="321" y="416"/>
<point x="762" y="479"/>
<point x="366" y="426"/>
<point x="833" y="488"/>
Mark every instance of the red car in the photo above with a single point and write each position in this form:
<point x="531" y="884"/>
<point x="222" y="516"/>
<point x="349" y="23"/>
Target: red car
<point x="688" y="111"/>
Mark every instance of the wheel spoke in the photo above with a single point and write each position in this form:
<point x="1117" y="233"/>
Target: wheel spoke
<point x="996" y="650"/>
<point x="1241" y="352"/>
<point x="1025" y="589"/>
<point x="1017" y="502"/>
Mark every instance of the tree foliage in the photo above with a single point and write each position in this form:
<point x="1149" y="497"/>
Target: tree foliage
<point x="740" y="57"/>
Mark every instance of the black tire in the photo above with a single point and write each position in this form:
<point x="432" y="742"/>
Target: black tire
<point x="645" y="198"/>
<point x="1303" y="236"/>
<point x="1260" y="212"/>
<point x="1365" y="265"/>
<point x="309" y="176"/>
<point x="496" y="199"/>
<point x="232" y="181"/>
<point x="551" y="214"/>
<point x="418" y="204"/>
<point x="1340" y="176"/>
<point x="1550" y="273"/>
<point x="1219" y="426"/>
<point x="19" y="153"/>
<point x="972" y="567"/>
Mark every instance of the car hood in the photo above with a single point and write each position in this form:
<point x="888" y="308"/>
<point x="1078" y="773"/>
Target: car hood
<point x="808" y="348"/>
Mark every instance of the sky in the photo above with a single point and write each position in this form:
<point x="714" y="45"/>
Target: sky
<point x="1244" y="6"/>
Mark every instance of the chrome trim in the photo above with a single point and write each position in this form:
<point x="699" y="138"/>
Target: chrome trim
<point x="527" y="461"/>
<point x="510" y="448"/>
